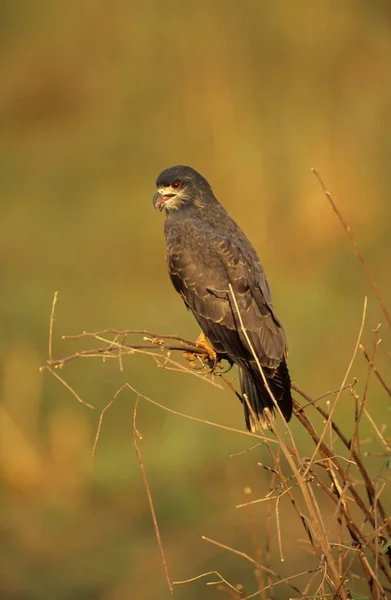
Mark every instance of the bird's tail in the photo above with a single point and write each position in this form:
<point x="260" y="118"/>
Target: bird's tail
<point x="252" y="384"/>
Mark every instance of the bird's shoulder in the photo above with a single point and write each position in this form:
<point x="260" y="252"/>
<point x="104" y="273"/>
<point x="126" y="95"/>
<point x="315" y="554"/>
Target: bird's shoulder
<point x="212" y="230"/>
<point x="213" y="246"/>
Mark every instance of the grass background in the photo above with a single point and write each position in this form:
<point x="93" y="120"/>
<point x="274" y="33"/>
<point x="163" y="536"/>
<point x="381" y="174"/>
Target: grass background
<point x="96" y="99"/>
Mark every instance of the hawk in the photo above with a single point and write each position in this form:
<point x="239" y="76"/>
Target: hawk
<point x="216" y="270"/>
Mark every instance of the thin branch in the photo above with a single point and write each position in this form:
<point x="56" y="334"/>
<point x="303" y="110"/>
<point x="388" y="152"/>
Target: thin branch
<point x="102" y="414"/>
<point x="126" y="332"/>
<point x="264" y="567"/>
<point x="268" y="541"/>
<point x="265" y="499"/>
<point x="357" y="459"/>
<point x="238" y="552"/>
<point x="356" y="248"/>
<point x="348" y="386"/>
<point x="196" y="419"/>
<point x="113" y="349"/>
<point x="378" y="432"/>
<point x="279" y="527"/>
<point x="375" y="371"/>
<point x="51" y="321"/>
<point x="333" y="554"/>
<point x="256" y="546"/>
<point x="356" y="432"/>
<point x="222" y="580"/>
<point x="250" y="345"/>
<point x="357" y="536"/>
<point x="291" y="455"/>
<point x="342" y="386"/>
<point x="149" y="495"/>
<point x="57" y="376"/>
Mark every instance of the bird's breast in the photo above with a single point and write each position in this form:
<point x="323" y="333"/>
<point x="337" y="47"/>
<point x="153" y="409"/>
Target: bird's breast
<point x="188" y="235"/>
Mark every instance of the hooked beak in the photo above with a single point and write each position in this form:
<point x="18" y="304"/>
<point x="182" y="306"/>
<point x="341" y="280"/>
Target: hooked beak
<point x="158" y="201"/>
<point x="160" y="198"/>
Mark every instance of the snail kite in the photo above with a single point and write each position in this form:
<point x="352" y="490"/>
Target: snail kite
<point x="206" y="252"/>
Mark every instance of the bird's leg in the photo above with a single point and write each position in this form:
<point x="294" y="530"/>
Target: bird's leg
<point x="203" y="342"/>
<point x="211" y="358"/>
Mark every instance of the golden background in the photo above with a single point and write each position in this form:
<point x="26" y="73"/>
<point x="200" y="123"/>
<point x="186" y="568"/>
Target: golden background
<point x="96" y="99"/>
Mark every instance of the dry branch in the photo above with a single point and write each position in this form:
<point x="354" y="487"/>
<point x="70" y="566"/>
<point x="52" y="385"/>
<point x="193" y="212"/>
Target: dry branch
<point x="356" y="248"/>
<point x="160" y="346"/>
<point x="360" y="549"/>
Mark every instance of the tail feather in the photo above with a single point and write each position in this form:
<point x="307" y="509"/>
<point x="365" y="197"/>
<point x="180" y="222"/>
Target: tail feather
<point x="251" y="383"/>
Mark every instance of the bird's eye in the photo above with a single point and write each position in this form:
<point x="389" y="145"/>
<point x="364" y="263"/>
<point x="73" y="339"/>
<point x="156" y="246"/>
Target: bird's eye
<point x="176" y="185"/>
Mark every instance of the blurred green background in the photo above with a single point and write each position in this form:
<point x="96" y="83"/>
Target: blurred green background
<point x="96" y="98"/>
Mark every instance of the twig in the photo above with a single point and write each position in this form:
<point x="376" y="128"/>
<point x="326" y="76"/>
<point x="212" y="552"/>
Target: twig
<point x="222" y="580"/>
<point x="356" y="433"/>
<point x="269" y="527"/>
<point x="245" y="451"/>
<point x="57" y="376"/>
<point x="234" y="550"/>
<point x="265" y="568"/>
<point x="251" y="347"/>
<point x="378" y="432"/>
<point x="354" y="530"/>
<point x="265" y="499"/>
<point x="102" y="414"/>
<point x="299" y="409"/>
<point x="113" y="349"/>
<point x="126" y="332"/>
<point x="195" y="419"/>
<point x="349" y="386"/>
<point x="149" y="495"/>
<point x="376" y="372"/>
<point x="329" y="418"/>
<point x="291" y="455"/>
<point x="256" y="546"/>
<point x="356" y="248"/>
<point x="279" y="528"/>
<point x="356" y="457"/>
<point x="341" y="490"/>
<point x="51" y="324"/>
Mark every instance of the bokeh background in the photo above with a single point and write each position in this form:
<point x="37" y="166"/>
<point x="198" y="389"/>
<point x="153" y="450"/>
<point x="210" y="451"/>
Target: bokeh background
<point x="96" y="98"/>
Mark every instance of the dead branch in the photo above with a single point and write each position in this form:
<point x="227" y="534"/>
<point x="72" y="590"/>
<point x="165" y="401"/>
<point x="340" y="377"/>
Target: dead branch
<point x="356" y="248"/>
<point x="369" y="533"/>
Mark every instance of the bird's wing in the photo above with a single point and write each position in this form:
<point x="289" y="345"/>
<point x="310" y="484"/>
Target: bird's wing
<point x="203" y="278"/>
<point x="253" y="297"/>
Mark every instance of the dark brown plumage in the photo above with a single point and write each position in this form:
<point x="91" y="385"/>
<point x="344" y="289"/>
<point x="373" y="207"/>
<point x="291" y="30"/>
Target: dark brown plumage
<point x="206" y="251"/>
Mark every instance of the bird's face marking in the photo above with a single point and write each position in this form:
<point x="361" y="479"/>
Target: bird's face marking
<point x="180" y="186"/>
<point x="171" y="196"/>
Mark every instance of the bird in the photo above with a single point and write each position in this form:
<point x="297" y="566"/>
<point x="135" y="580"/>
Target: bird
<point x="218" y="274"/>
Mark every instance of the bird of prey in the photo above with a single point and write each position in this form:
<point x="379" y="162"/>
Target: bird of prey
<point x="217" y="272"/>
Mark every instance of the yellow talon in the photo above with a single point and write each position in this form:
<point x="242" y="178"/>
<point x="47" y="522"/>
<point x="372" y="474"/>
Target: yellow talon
<point x="203" y="342"/>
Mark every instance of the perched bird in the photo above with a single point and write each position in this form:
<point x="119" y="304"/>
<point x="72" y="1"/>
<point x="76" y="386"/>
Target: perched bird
<point x="206" y="251"/>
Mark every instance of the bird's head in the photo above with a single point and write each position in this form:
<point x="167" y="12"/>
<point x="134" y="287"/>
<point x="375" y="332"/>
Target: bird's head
<point x="179" y="186"/>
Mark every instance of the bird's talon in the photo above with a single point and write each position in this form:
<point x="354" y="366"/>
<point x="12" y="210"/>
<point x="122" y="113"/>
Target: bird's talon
<point x="203" y="342"/>
<point x="190" y="357"/>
